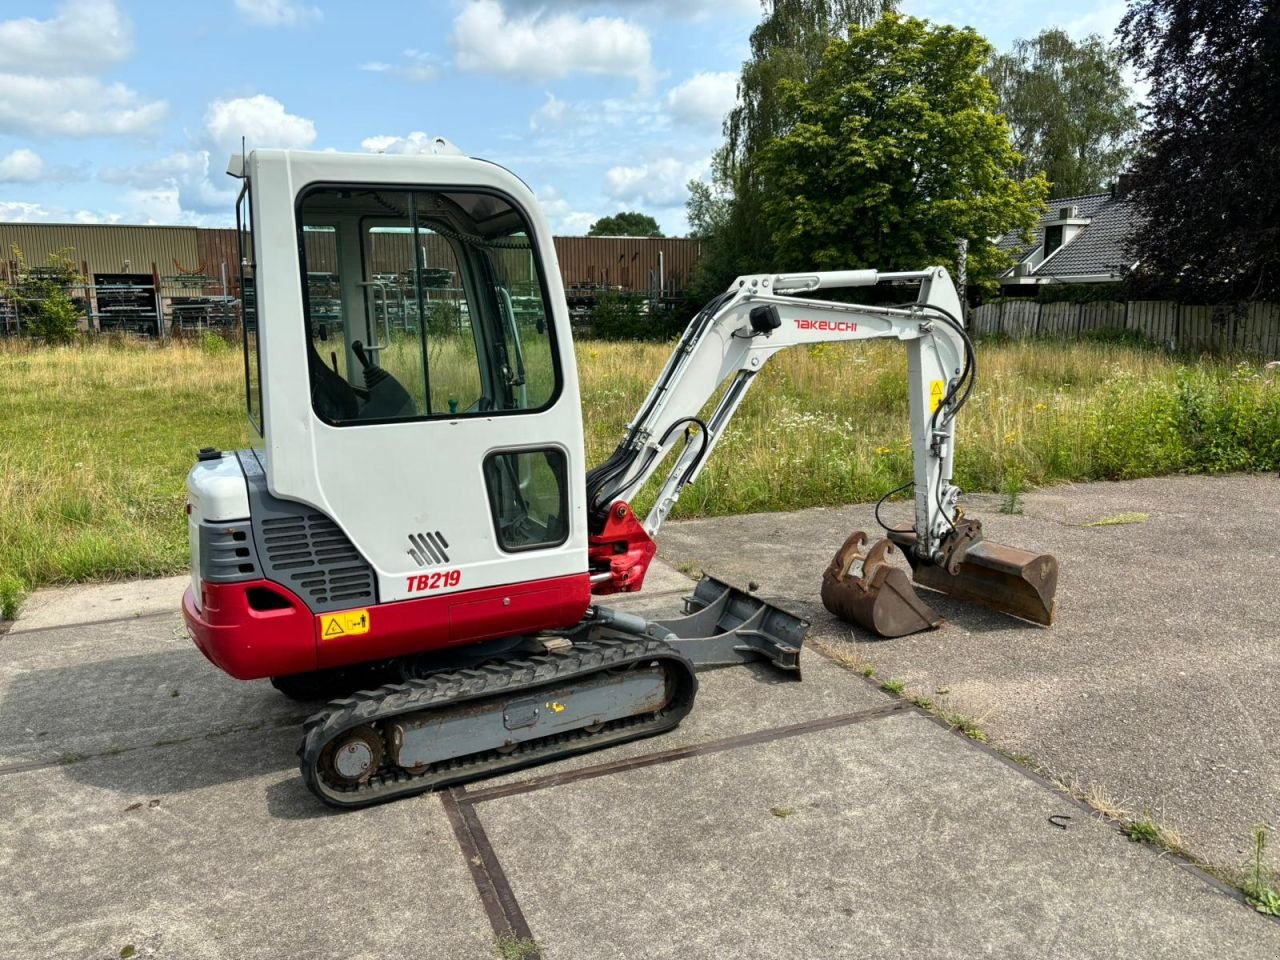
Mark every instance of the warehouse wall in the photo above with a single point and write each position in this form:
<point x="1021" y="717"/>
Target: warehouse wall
<point x="625" y="262"/>
<point x="106" y="247"/>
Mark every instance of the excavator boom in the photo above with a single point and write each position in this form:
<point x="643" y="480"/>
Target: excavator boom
<point x="730" y="340"/>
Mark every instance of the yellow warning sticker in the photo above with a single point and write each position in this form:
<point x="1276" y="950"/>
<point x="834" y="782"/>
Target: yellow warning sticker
<point x="937" y="390"/>
<point x="349" y="623"/>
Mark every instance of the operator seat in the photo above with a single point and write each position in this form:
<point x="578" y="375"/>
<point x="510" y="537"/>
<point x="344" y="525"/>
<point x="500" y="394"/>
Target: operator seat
<point x="331" y="396"/>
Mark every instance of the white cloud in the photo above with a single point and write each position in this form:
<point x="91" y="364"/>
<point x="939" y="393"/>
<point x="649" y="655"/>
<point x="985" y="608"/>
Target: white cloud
<point x="553" y="113"/>
<point x="26" y="166"/>
<point x="261" y="120"/>
<point x="662" y="183"/>
<point x="418" y="67"/>
<point x="544" y="45"/>
<point x="564" y="220"/>
<point x="184" y="172"/>
<point x="48" y="75"/>
<point x="416" y="142"/>
<point x="73" y="107"/>
<point x="686" y="9"/>
<point x="704" y="98"/>
<point x="187" y="186"/>
<point x="83" y="37"/>
<point x="278" y="13"/>
<point x="575" y="224"/>
<point x="22" y="166"/>
<point x="17" y="211"/>
<point x="158" y="205"/>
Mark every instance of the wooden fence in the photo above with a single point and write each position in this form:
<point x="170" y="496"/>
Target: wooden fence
<point x="1244" y="328"/>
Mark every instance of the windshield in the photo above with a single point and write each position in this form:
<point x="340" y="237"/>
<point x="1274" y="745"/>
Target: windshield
<point x="422" y="304"/>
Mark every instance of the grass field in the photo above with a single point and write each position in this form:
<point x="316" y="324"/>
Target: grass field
<point x="95" y="439"/>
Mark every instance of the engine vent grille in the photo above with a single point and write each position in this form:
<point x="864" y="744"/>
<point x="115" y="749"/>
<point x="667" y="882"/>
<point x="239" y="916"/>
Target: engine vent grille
<point x="310" y="554"/>
<point x="428" y="549"/>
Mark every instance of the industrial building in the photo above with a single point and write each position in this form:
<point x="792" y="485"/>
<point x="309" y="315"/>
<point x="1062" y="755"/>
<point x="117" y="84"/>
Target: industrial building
<point x="153" y="280"/>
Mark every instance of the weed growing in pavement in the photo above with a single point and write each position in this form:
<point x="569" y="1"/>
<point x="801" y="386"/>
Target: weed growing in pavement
<point x="893" y="686"/>
<point x="1142" y="831"/>
<point x="1012" y="488"/>
<point x="1145" y="829"/>
<point x="517" y="948"/>
<point x="966" y="725"/>
<point x="11" y="594"/>
<point x="1257" y="889"/>
<point x="1119" y="519"/>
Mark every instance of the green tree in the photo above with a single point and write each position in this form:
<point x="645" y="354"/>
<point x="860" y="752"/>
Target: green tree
<point x="630" y="223"/>
<point x="41" y="295"/>
<point x="1068" y="109"/>
<point x="892" y="152"/>
<point x="787" y="45"/>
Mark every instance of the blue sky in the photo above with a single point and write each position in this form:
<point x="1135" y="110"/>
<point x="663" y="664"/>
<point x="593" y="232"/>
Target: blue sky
<point x="126" y="110"/>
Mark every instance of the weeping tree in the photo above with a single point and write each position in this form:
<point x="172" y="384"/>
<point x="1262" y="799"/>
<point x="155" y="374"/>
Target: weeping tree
<point x="787" y="45"/>
<point x="1068" y="108"/>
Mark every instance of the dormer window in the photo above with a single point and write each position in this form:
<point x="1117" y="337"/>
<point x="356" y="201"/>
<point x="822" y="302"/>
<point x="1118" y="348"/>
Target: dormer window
<point x="1052" y="239"/>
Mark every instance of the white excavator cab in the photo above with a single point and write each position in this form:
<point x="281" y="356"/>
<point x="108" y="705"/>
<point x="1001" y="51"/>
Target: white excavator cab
<point x="415" y="367"/>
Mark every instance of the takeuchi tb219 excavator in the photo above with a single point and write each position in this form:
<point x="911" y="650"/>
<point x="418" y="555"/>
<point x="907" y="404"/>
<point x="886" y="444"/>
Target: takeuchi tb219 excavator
<point x="417" y="533"/>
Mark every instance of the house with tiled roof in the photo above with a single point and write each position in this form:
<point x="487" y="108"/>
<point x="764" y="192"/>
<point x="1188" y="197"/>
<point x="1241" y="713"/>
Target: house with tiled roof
<point x="1079" y="240"/>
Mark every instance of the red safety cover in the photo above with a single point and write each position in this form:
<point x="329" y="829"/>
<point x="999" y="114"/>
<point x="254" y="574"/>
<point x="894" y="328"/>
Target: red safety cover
<point x="249" y="643"/>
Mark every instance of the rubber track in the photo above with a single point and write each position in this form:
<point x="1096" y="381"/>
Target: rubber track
<point x="513" y="678"/>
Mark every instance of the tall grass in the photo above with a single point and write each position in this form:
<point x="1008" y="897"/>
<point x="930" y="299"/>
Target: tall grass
<point x="95" y="442"/>
<point x="96" y="439"/>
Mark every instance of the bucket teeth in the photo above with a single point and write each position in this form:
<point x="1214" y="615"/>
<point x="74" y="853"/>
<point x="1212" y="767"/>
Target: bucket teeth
<point x="863" y="587"/>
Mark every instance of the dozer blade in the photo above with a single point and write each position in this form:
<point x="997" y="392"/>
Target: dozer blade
<point x="726" y="626"/>
<point x="1016" y="582"/>
<point x="862" y="587"/>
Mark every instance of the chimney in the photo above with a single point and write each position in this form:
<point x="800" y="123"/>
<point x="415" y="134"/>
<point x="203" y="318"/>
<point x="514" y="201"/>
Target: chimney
<point x="1120" y="188"/>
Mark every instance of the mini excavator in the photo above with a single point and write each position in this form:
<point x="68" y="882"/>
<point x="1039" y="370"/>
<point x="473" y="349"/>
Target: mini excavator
<point x="416" y="536"/>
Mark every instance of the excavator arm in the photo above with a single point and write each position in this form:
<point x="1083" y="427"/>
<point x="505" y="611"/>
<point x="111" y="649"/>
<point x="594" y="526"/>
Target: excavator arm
<point x="730" y="340"/>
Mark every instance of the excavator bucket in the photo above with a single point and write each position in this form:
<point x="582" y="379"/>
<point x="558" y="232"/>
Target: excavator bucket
<point x="863" y="587"/>
<point x="1017" y="582"/>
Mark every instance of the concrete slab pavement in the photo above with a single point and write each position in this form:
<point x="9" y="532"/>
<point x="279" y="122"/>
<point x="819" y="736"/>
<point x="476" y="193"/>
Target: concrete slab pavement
<point x="1160" y="681"/>
<point x="87" y="603"/>
<point x="887" y="838"/>
<point x="179" y="825"/>
<point x="215" y="850"/>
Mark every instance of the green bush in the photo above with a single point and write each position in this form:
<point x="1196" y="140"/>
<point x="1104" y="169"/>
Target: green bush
<point x="56" y="318"/>
<point x="214" y="343"/>
<point x="619" y="316"/>
<point x="442" y="317"/>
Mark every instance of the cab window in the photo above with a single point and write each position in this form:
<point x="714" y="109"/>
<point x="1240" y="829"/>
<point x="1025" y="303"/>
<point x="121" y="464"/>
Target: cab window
<point x="422" y="304"/>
